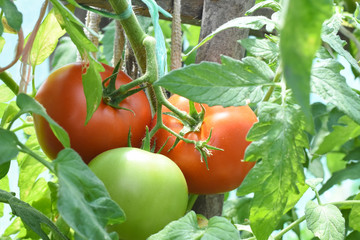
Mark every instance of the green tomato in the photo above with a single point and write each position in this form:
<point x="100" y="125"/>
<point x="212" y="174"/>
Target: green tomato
<point x="149" y="187"/>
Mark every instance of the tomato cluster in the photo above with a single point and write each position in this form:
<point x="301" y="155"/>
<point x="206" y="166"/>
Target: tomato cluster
<point x="151" y="188"/>
<point x="226" y="169"/>
<point x="62" y="95"/>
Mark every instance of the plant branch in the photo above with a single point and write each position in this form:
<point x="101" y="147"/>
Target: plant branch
<point x="25" y="149"/>
<point x="133" y="31"/>
<point x="5" y="77"/>
<point x="288" y="228"/>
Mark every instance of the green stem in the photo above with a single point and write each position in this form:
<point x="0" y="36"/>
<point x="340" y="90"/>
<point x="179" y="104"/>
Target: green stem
<point x="288" y="228"/>
<point x="346" y="202"/>
<point x="5" y="77"/>
<point x="133" y="31"/>
<point x="191" y="201"/>
<point x="181" y="114"/>
<point x="275" y="80"/>
<point x="26" y="125"/>
<point x="27" y="150"/>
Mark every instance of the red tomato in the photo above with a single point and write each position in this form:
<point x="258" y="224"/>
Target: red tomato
<point x="229" y="129"/>
<point x="63" y="97"/>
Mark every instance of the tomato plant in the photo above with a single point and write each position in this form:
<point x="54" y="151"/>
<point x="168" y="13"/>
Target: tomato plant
<point x="149" y="187"/>
<point x="226" y="169"/>
<point x="62" y="95"/>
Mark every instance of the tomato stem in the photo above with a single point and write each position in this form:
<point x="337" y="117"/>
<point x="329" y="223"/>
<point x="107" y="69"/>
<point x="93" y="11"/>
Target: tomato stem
<point x="276" y="79"/>
<point x="25" y="149"/>
<point x="191" y="201"/>
<point x="133" y="31"/>
<point x="5" y="77"/>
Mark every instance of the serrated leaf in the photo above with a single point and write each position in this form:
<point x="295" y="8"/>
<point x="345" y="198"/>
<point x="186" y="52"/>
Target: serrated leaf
<point x="30" y="216"/>
<point x="232" y="83"/>
<point x="350" y="172"/>
<point x="46" y="39"/>
<point x="29" y="104"/>
<point x="299" y="41"/>
<point x="187" y="228"/>
<point x="354" y="217"/>
<point x="83" y="196"/>
<point x="8" y="146"/>
<point x="263" y="48"/>
<point x="13" y="16"/>
<point x="330" y="36"/>
<point x="248" y="22"/>
<point x="330" y="85"/>
<point x="264" y="4"/>
<point x="325" y="221"/>
<point x="278" y="140"/>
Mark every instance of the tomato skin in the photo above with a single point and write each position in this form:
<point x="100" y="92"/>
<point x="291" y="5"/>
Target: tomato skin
<point x="64" y="100"/>
<point x="229" y="129"/>
<point x="149" y="187"/>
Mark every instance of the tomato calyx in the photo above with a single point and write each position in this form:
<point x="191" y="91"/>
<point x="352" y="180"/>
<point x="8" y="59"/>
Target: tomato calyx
<point x="113" y="96"/>
<point x="204" y="149"/>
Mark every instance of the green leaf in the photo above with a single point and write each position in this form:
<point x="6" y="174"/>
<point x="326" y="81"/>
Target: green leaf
<point x="237" y="210"/>
<point x="330" y="36"/>
<point x="263" y="48"/>
<point x="346" y="130"/>
<point x="330" y="85"/>
<point x="91" y="79"/>
<point x="335" y="161"/>
<point x="13" y="16"/>
<point x="9" y="113"/>
<point x="354" y="217"/>
<point x="64" y="53"/>
<point x="46" y="39"/>
<point x="29" y="104"/>
<point x="350" y="172"/>
<point x="313" y="182"/>
<point x="29" y="171"/>
<point x="325" y="221"/>
<point x="4" y="185"/>
<point x="187" y="228"/>
<point x="232" y="83"/>
<point x="277" y="180"/>
<point x="4" y="169"/>
<point x="5" y="93"/>
<point x="299" y="41"/>
<point x="264" y="4"/>
<point x="249" y="22"/>
<point x="30" y="216"/>
<point x="107" y="41"/>
<point x="83" y="200"/>
<point x="2" y="41"/>
<point x="8" y="146"/>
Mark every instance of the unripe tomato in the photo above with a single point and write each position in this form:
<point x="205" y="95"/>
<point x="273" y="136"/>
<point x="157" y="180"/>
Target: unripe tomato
<point x="149" y="187"/>
<point x="63" y="97"/>
<point x="229" y="129"/>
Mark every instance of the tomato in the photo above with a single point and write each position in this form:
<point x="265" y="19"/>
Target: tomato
<point x="229" y="129"/>
<point x="149" y="187"/>
<point x="63" y="97"/>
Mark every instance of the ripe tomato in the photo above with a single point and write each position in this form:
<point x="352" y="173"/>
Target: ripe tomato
<point x="149" y="187"/>
<point x="229" y="129"/>
<point x="63" y="97"/>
